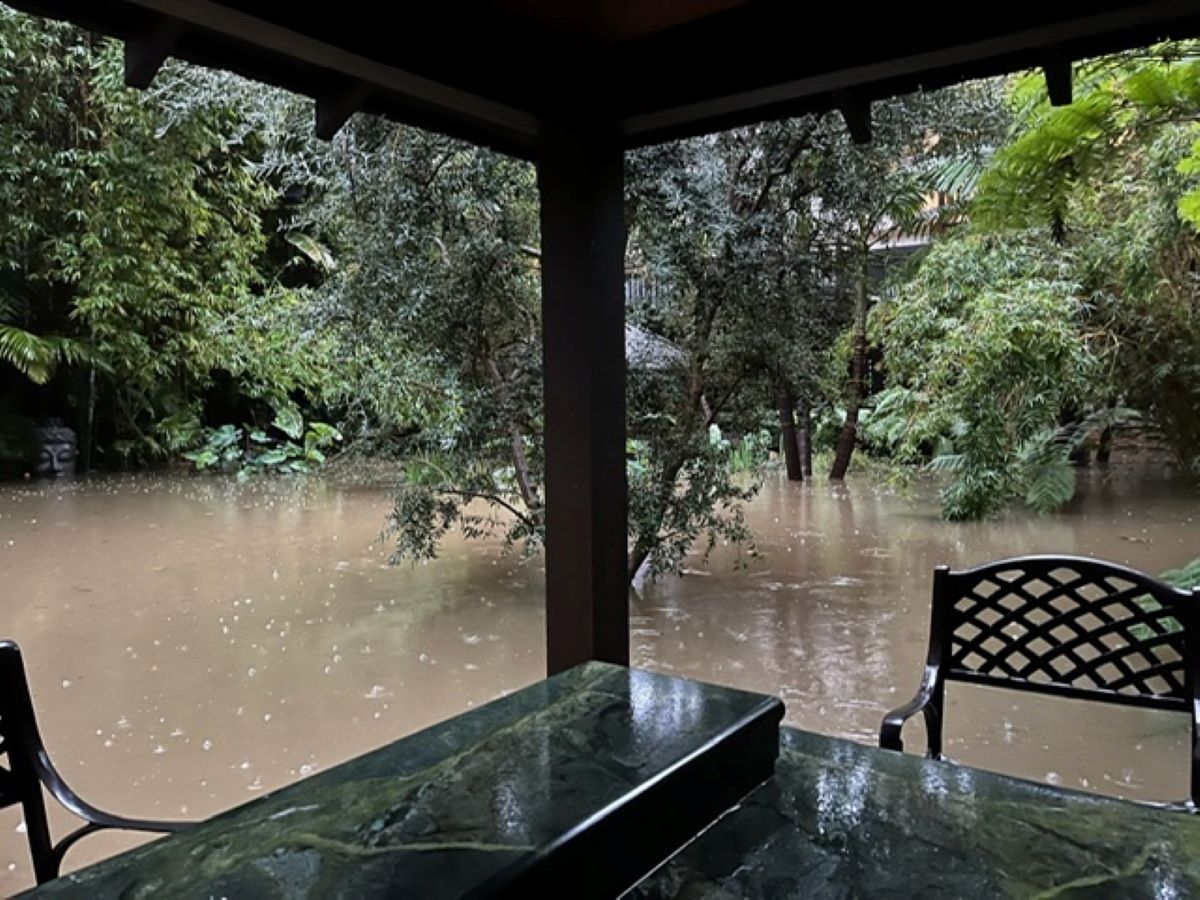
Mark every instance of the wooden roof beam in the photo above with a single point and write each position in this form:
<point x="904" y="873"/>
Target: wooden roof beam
<point x="674" y="107"/>
<point x="1057" y="68"/>
<point x="334" y="110"/>
<point x="145" y="55"/>
<point x="388" y="89"/>
<point x="856" y="112"/>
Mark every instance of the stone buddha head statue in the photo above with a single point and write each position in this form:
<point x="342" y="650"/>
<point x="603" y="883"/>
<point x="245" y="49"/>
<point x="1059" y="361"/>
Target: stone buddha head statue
<point x="57" y="448"/>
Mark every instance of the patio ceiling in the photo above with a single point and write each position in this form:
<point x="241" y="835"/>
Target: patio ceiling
<point x="494" y="71"/>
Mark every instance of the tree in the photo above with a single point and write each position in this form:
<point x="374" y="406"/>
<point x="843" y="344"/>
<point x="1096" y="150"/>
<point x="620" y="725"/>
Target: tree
<point x="758" y="238"/>
<point x="1068" y="304"/>
<point x="985" y="349"/>
<point x="721" y="223"/>
<point x="871" y="193"/>
<point x="1114" y="177"/>
<point x="131" y="240"/>
<point x="430" y="252"/>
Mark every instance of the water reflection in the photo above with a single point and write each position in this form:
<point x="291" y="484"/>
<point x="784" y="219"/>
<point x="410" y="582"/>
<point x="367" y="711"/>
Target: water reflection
<point x="842" y="789"/>
<point x="835" y="618"/>
<point x="659" y="714"/>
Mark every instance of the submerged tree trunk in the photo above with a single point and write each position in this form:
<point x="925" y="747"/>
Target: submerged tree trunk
<point x="1104" y="451"/>
<point x="643" y="547"/>
<point x="858" y="374"/>
<point x="805" y="440"/>
<point x="787" y="424"/>
<point x="89" y="427"/>
<point x="517" y="441"/>
<point x="695" y="413"/>
<point x="1072" y="431"/>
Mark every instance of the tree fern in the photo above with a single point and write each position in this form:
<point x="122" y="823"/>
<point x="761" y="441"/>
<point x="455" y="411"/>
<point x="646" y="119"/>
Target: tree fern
<point x="1031" y="180"/>
<point x="1051" y="482"/>
<point x="1187" y="577"/>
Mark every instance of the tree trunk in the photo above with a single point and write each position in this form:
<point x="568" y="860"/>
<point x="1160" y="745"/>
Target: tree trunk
<point x="787" y="424"/>
<point x="805" y="437"/>
<point x="1104" y="451"/>
<point x="696" y="406"/>
<point x="516" y="440"/>
<point x="858" y="375"/>
<point x="637" y="558"/>
<point x="1071" y="429"/>
<point x="644" y="547"/>
<point x="521" y="467"/>
<point x="89" y="428"/>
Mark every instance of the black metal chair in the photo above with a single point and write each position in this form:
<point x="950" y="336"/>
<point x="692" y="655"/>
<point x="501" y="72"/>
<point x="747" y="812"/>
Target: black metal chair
<point x="29" y="767"/>
<point x="1063" y="625"/>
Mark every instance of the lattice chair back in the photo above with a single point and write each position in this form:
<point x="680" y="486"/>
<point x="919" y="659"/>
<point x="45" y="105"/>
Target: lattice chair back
<point x="1062" y="625"/>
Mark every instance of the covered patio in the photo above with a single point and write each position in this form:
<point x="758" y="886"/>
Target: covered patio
<point x="571" y="88"/>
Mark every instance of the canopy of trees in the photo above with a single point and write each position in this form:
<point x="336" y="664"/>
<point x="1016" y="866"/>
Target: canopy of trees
<point x="1068" y="302"/>
<point x="189" y="274"/>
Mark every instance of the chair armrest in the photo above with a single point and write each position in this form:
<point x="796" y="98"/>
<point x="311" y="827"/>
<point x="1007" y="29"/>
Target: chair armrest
<point x="58" y="788"/>
<point x="96" y="819"/>
<point x="893" y="723"/>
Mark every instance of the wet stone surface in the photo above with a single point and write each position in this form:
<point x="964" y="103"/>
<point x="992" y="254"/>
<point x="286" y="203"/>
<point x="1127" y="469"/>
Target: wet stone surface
<point x="436" y="813"/>
<point x="842" y="820"/>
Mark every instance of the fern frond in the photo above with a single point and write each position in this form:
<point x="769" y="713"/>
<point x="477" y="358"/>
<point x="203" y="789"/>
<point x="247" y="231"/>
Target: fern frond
<point x="38" y="357"/>
<point x="947" y="462"/>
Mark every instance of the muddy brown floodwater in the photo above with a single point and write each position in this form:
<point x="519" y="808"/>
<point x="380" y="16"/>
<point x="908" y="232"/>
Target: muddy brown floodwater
<point x="193" y="642"/>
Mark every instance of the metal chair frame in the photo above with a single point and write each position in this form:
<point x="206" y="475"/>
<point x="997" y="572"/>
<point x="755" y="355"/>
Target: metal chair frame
<point x="1067" y="626"/>
<point x="29" y="769"/>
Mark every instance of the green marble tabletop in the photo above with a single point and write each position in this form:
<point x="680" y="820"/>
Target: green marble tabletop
<point x="841" y="820"/>
<point x="442" y="811"/>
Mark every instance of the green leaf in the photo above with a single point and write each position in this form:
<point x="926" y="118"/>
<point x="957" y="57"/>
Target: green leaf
<point x="273" y="457"/>
<point x="320" y="435"/>
<point x="1051" y="485"/>
<point x="289" y="420"/>
<point x="314" y="250"/>
<point x="948" y="462"/>
<point x="1189" y="208"/>
<point x="225" y="437"/>
<point x="203" y="459"/>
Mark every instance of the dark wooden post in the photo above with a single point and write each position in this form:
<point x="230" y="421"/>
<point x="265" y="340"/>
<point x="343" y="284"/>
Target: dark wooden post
<point x="581" y="180"/>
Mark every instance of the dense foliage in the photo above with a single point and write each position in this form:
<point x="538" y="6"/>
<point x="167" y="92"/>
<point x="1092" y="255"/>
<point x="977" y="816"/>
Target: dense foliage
<point x="1005" y="320"/>
<point x="190" y="275"/>
<point x="1071" y="301"/>
<point x="433" y="290"/>
<point x="133" y="244"/>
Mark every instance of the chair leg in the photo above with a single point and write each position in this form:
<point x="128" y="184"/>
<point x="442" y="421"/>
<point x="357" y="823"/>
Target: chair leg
<point x="933" y="721"/>
<point x="1194" y="784"/>
<point x="37" y="830"/>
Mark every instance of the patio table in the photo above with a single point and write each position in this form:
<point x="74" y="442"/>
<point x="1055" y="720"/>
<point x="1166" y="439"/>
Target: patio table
<point x="583" y="784"/>
<point x="839" y="819"/>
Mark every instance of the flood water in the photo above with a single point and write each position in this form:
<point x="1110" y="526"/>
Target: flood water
<point x="193" y="642"/>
